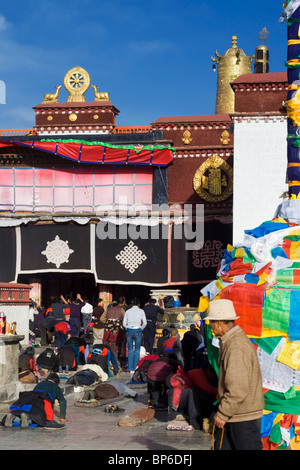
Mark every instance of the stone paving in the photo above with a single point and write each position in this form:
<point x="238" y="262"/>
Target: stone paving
<point x="94" y="429"/>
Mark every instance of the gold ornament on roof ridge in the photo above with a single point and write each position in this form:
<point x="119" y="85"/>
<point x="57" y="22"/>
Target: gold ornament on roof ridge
<point x="76" y="82"/>
<point x="230" y="66"/>
<point x="100" y="96"/>
<point x="263" y="35"/>
<point x="52" y="97"/>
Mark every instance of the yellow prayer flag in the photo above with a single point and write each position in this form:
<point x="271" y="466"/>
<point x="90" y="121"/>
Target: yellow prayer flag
<point x="203" y="304"/>
<point x="240" y="253"/>
<point x="290" y="355"/>
<point x="295" y="251"/>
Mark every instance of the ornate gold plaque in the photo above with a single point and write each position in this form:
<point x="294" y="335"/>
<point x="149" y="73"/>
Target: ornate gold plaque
<point x="187" y="139"/>
<point x="225" y="138"/>
<point x="76" y="82"/>
<point x="73" y="117"/>
<point x="213" y="181"/>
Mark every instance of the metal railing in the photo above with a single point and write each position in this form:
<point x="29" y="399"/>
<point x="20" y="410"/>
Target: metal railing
<point x="132" y="129"/>
<point x="15" y="132"/>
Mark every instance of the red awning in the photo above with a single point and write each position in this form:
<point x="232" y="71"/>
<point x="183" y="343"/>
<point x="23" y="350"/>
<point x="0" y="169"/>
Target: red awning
<point x="100" y="153"/>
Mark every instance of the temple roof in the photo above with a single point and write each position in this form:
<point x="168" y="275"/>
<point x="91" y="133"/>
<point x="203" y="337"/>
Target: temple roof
<point x="262" y="78"/>
<point x="205" y="118"/>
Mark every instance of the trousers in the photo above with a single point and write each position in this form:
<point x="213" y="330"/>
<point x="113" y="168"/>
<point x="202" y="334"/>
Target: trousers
<point x="244" y="435"/>
<point x="134" y="341"/>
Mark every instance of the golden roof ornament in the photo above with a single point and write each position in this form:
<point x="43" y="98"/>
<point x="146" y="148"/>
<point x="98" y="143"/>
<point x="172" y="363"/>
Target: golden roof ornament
<point x="100" y="96"/>
<point x="261" y="64"/>
<point x="76" y="82"/>
<point x="52" y="97"/>
<point x="230" y="66"/>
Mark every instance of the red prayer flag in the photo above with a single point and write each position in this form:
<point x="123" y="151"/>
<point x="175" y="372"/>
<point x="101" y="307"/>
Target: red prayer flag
<point x="248" y="303"/>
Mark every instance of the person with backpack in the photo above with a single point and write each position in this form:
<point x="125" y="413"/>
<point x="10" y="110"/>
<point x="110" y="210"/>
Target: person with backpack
<point x="101" y="355"/>
<point x="173" y="344"/>
<point x="35" y="408"/>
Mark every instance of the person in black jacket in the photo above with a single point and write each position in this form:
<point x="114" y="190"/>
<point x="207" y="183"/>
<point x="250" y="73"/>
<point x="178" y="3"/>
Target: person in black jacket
<point x="151" y="311"/>
<point x="160" y="351"/>
<point x="190" y="342"/>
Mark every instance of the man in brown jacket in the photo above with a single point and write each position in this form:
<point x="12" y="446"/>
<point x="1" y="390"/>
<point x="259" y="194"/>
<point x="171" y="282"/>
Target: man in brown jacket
<point x="240" y="391"/>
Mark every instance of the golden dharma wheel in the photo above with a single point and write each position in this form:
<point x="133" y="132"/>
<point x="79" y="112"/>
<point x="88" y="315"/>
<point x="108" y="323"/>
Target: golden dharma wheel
<point x="76" y="82"/>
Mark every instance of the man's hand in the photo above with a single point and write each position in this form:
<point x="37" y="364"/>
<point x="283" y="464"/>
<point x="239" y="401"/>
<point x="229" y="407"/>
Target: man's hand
<point x="220" y="423"/>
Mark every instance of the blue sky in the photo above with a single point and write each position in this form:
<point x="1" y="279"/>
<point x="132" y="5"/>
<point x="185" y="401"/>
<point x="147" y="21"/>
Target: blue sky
<point x="154" y="58"/>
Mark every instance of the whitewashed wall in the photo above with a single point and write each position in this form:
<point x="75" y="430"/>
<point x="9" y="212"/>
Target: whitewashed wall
<point x="260" y="164"/>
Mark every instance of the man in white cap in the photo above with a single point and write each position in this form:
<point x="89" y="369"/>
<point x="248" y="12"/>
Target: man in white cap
<point x="240" y="391"/>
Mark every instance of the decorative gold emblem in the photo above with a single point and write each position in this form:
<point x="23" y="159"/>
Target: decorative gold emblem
<point x="187" y="139"/>
<point x="73" y="117"/>
<point x="166" y="318"/>
<point x="76" y="82"/>
<point x="96" y="116"/>
<point x="196" y="317"/>
<point x="50" y="118"/>
<point x="52" y="97"/>
<point x="180" y="317"/>
<point x="213" y="181"/>
<point x="225" y="138"/>
<point x="103" y="96"/>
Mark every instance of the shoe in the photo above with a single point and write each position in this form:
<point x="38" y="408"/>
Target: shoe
<point x="24" y="420"/>
<point x="9" y="420"/>
<point x="53" y="425"/>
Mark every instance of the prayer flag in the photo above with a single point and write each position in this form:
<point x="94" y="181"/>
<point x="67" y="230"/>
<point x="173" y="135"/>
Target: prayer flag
<point x="248" y="303"/>
<point x="276" y="310"/>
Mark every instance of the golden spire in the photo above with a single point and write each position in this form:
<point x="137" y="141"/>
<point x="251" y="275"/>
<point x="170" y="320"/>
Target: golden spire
<point x="261" y="64"/>
<point x="230" y="66"/>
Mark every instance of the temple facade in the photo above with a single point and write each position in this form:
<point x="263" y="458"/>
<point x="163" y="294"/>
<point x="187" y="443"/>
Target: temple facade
<point x="85" y="204"/>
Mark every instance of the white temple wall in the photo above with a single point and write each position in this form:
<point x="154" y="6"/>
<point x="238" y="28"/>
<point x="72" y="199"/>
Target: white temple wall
<point x="260" y="164"/>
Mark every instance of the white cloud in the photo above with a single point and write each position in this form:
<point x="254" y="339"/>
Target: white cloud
<point x="4" y="24"/>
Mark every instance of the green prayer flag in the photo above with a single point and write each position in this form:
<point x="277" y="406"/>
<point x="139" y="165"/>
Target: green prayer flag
<point x="276" y="401"/>
<point x="268" y="344"/>
<point x="276" y="310"/>
<point x="276" y="435"/>
<point x="212" y="351"/>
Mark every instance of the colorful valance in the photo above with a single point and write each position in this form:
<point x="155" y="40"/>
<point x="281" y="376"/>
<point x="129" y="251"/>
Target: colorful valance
<point x="99" y="152"/>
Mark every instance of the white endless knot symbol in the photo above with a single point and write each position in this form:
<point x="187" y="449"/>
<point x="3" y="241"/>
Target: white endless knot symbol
<point x="131" y="257"/>
<point x="57" y="252"/>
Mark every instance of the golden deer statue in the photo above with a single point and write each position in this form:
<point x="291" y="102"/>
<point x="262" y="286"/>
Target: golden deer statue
<point x="52" y="97"/>
<point x="100" y="96"/>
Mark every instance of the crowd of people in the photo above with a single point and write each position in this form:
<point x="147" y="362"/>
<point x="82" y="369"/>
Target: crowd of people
<point x="96" y="344"/>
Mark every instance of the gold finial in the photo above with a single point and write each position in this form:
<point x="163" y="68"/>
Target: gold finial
<point x="52" y="97"/>
<point x="263" y="35"/>
<point x="230" y="66"/>
<point x="100" y="96"/>
<point x="76" y="82"/>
